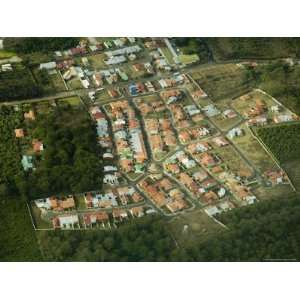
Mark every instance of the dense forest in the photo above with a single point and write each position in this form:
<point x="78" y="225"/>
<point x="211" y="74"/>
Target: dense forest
<point x="39" y="44"/>
<point x="282" y="140"/>
<point x="18" y="241"/>
<point x="19" y="84"/>
<point x="70" y="161"/>
<point x="11" y="173"/>
<point x="266" y="230"/>
<point x="234" y="48"/>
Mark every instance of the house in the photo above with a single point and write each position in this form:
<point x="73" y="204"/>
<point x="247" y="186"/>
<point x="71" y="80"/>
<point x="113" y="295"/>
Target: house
<point x="48" y="66"/>
<point x="198" y="94"/>
<point x="27" y="162"/>
<point x="94" y="218"/>
<point x="211" y="110"/>
<point x="65" y="221"/>
<point x="229" y="114"/>
<point x="207" y="160"/>
<point x="259" y="120"/>
<point x="200" y="175"/>
<point x="37" y="146"/>
<point x="29" y="115"/>
<point x="119" y="214"/>
<point x="276" y="177"/>
<point x="172" y="168"/>
<point x="137" y="211"/>
<point x="283" y="118"/>
<point x="165" y="184"/>
<point x="19" y="133"/>
<point x="234" y="132"/>
<point x="176" y="205"/>
<point x="210" y="197"/>
<point x="212" y="210"/>
<point x="220" y="141"/>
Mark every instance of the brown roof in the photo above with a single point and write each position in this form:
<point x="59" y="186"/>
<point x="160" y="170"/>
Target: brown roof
<point x="19" y="132"/>
<point x="30" y="115"/>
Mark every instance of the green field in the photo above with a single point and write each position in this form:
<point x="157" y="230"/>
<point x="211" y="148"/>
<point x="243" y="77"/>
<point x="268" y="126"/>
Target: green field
<point x="221" y="81"/>
<point x="6" y="54"/>
<point x="73" y="101"/>
<point x="200" y="227"/>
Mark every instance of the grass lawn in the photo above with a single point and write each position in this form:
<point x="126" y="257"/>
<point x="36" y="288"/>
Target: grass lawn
<point x="97" y="61"/>
<point x="17" y="233"/>
<point x="74" y="84"/>
<point x="220" y="81"/>
<point x="80" y="202"/>
<point x="234" y="161"/>
<point x="74" y="101"/>
<point x="276" y="192"/>
<point x="251" y="148"/>
<point x="188" y="58"/>
<point x="39" y="222"/>
<point x="58" y="83"/>
<point x="168" y="55"/>
<point x="4" y="54"/>
<point x="102" y="96"/>
<point x="200" y="227"/>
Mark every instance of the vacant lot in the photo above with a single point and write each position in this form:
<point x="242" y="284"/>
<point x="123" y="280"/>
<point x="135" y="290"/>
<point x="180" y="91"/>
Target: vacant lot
<point x="253" y="151"/>
<point x="232" y="160"/>
<point x="221" y="81"/>
<point x="193" y="226"/>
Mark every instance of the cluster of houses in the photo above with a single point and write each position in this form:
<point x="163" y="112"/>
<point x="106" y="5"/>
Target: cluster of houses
<point x="173" y="81"/>
<point x="275" y="177"/>
<point x="128" y="137"/>
<point x="164" y="193"/>
<point x="56" y="203"/>
<point x="260" y="114"/>
<point x="195" y="179"/>
<point x="240" y="191"/>
<point x="36" y="146"/>
<point x="109" y="76"/>
<point x="187" y="135"/>
<point x="150" y="107"/>
<point x="161" y="135"/>
<point x="121" y="195"/>
<point x="97" y="219"/>
<point x="218" y="208"/>
<point x="111" y="174"/>
<point x="122" y="55"/>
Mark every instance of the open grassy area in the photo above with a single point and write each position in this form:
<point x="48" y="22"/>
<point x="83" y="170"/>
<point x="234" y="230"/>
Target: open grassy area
<point x="221" y="81"/>
<point x="97" y="61"/>
<point x="232" y="160"/>
<point x="277" y="192"/>
<point x="167" y="54"/>
<point x="74" y="101"/>
<point x="200" y="227"/>
<point x="74" y="84"/>
<point x="17" y="237"/>
<point x="253" y="151"/>
<point x="4" y="54"/>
